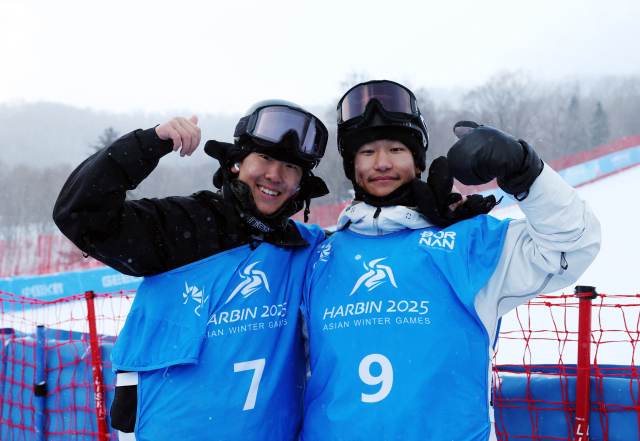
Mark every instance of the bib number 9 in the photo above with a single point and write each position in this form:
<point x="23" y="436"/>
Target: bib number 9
<point x="385" y="377"/>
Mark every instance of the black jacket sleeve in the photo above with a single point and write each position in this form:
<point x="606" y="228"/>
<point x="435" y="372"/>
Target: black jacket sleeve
<point x="138" y="238"/>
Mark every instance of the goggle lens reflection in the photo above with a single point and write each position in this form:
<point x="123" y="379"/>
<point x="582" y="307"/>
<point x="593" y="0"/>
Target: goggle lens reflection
<point x="393" y="98"/>
<point x="274" y="123"/>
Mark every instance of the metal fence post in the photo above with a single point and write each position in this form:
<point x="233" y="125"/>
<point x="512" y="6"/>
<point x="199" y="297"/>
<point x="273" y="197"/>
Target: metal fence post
<point x="96" y="367"/>
<point x="40" y="388"/>
<point x="583" y="384"/>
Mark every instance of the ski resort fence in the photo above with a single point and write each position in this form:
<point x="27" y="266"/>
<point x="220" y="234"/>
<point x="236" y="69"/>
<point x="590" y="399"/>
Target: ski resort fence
<point x="56" y="381"/>
<point x="559" y="359"/>
<point x="564" y="369"/>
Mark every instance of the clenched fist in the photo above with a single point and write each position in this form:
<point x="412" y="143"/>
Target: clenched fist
<point x="483" y="153"/>
<point x="184" y="132"/>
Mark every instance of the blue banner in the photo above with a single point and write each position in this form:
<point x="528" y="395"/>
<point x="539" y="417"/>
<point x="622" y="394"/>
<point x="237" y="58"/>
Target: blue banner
<point x="56" y="286"/>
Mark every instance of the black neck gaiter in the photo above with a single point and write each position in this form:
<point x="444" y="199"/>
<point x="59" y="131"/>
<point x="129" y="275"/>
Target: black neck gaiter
<point x="402" y="195"/>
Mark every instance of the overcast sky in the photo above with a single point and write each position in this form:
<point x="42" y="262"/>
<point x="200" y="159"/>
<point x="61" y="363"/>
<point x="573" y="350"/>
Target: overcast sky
<point x="221" y="56"/>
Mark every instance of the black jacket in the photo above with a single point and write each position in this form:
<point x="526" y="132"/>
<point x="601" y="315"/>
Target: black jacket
<point x="148" y="236"/>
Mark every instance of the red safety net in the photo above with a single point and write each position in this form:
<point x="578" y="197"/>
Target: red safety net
<point x="535" y="370"/>
<point x="70" y="350"/>
<point x="534" y="367"/>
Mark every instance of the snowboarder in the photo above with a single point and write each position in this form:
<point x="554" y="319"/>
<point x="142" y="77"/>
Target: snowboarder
<point x="403" y="301"/>
<point x="212" y="347"/>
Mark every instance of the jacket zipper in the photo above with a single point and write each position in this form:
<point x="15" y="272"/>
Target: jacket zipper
<point x="375" y="220"/>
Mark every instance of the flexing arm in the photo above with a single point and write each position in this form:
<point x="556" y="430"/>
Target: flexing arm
<point x="134" y="237"/>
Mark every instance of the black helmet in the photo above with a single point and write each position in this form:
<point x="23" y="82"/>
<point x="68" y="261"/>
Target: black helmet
<point x="376" y="110"/>
<point x="279" y="128"/>
<point x="286" y="132"/>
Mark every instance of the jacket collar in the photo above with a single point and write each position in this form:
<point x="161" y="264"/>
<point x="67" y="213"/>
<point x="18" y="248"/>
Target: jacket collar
<point x="287" y="235"/>
<point x="366" y="219"/>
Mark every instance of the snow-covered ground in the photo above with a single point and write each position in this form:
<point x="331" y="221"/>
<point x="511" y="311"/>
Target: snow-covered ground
<point x="616" y="271"/>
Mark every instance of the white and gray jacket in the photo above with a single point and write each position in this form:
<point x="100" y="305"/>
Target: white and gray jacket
<point x="546" y="251"/>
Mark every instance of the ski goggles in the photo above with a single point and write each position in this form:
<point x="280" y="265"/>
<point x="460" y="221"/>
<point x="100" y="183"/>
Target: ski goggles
<point x="273" y="123"/>
<point x="394" y="98"/>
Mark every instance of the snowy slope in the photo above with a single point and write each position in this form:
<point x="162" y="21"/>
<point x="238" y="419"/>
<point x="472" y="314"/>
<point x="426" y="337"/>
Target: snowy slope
<point x="616" y="270"/>
<point x="617" y="267"/>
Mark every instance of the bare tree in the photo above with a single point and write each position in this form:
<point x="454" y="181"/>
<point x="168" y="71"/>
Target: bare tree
<point x="26" y="204"/>
<point x="507" y="101"/>
<point x="332" y="171"/>
<point x="621" y="97"/>
<point x="548" y="130"/>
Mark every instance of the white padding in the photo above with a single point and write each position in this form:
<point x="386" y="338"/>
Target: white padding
<point x="126" y="379"/>
<point x="126" y="436"/>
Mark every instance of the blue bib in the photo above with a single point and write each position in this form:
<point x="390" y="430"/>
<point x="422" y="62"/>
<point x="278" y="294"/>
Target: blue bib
<point x="397" y="350"/>
<point x="218" y="346"/>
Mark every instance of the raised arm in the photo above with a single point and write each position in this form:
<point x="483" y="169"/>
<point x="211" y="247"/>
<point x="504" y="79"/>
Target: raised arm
<point x="135" y="237"/>
<point x="547" y="250"/>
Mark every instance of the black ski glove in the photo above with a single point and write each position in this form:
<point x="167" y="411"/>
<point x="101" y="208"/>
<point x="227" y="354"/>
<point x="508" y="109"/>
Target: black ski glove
<point x="483" y="153"/>
<point x="434" y="197"/>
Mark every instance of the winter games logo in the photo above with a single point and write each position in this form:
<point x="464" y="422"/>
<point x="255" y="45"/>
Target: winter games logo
<point x="224" y="321"/>
<point x="376" y="275"/>
<point x="193" y="293"/>
<point x="253" y="281"/>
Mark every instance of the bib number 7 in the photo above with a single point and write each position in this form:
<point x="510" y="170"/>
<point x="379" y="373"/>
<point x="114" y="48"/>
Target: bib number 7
<point x="385" y="377"/>
<point x="258" y="367"/>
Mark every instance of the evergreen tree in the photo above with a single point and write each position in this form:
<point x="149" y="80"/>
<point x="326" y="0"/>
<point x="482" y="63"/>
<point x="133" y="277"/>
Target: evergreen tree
<point x="106" y="139"/>
<point x="599" y="126"/>
<point x="575" y="137"/>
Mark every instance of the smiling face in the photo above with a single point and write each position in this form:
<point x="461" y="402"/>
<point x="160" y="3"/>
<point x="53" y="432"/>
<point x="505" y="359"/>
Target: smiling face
<point x="382" y="166"/>
<point x="272" y="182"/>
